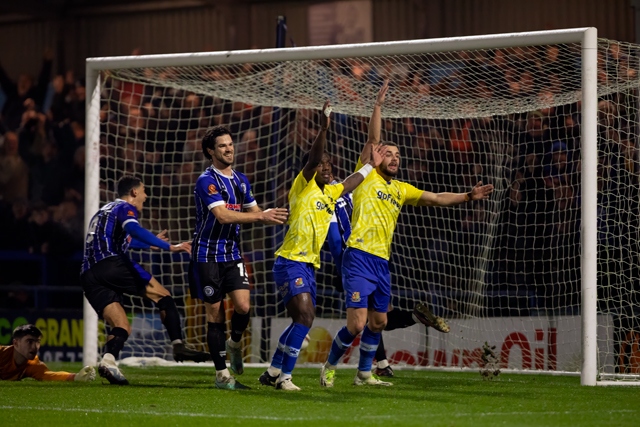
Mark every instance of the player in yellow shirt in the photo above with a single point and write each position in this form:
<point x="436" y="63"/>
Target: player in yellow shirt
<point x="365" y="265"/>
<point x="312" y="201"/>
<point x="20" y="360"/>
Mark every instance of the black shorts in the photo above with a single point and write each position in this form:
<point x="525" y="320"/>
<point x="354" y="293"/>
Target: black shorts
<point x="106" y="281"/>
<point x="211" y="281"/>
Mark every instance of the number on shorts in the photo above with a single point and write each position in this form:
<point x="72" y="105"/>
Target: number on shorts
<point x="243" y="271"/>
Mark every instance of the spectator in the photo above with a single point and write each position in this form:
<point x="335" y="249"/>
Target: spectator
<point x="18" y="93"/>
<point x="14" y="173"/>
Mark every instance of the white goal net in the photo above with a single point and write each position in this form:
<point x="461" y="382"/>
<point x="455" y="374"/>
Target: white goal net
<point x="506" y="271"/>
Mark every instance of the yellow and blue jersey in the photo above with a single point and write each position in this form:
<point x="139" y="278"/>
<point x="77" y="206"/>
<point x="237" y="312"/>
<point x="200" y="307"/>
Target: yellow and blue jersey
<point x="310" y="212"/>
<point x="376" y="206"/>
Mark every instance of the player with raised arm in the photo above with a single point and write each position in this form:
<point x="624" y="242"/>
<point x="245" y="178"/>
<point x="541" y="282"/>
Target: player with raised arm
<point x="365" y="265"/>
<point x="20" y="360"/>
<point x="339" y="232"/>
<point x="222" y="194"/>
<point x="108" y="273"/>
<point x="312" y="201"/>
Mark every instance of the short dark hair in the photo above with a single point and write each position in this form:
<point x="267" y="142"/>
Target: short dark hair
<point x="389" y="144"/>
<point x="24" y="330"/>
<point x="126" y="184"/>
<point x="209" y="139"/>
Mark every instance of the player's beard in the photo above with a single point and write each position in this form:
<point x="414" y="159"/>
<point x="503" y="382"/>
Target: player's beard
<point x="387" y="172"/>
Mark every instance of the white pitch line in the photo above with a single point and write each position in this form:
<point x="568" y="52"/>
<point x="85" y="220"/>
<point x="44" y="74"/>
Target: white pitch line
<point x="268" y="418"/>
<point x="184" y="414"/>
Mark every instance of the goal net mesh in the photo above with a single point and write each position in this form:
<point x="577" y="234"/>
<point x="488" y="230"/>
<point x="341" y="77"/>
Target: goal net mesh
<point x="505" y="271"/>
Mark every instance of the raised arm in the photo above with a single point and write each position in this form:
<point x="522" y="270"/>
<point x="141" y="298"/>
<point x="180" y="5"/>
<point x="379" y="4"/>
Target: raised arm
<point x="375" y="122"/>
<point x="478" y="192"/>
<point x="317" y="149"/>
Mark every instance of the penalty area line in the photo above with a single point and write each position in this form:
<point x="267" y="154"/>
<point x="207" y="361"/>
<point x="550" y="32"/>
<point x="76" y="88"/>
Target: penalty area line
<point x="306" y="418"/>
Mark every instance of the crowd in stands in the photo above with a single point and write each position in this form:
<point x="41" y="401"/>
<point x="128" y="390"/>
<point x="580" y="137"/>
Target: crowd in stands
<point x="530" y="232"/>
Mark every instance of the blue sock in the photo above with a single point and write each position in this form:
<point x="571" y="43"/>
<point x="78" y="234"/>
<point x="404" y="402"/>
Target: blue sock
<point x="368" y="346"/>
<point x="276" y="360"/>
<point x="292" y="347"/>
<point x="341" y="343"/>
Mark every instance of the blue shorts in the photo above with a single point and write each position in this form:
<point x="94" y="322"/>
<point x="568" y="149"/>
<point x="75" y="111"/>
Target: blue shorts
<point x="366" y="280"/>
<point x="294" y="278"/>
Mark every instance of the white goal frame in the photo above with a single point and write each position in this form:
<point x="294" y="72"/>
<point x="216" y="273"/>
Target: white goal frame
<point x="586" y="37"/>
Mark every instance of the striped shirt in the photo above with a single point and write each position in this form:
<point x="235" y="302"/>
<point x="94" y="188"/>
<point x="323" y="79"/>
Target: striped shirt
<point x="342" y="216"/>
<point x="213" y="241"/>
<point x="106" y="236"/>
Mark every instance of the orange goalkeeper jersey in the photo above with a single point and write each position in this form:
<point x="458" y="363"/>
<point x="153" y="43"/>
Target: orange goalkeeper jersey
<point x="9" y="371"/>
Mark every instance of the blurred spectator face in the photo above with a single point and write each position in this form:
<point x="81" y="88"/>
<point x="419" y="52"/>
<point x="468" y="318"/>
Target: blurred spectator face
<point x="559" y="159"/>
<point x="10" y="144"/>
<point x="20" y="208"/>
<point x="79" y="157"/>
<point x="65" y="211"/>
<point x="553" y="52"/>
<point x="606" y="113"/>
<point x="78" y="130"/>
<point x="40" y="216"/>
<point x="192" y="101"/>
<point x="563" y="195"/>
<point x="24" y="84"/>
<point x="81" y="92"/>
<point x="515" y="196"/>
<point x="58" y="84"/>
<point x="535" y="124"/>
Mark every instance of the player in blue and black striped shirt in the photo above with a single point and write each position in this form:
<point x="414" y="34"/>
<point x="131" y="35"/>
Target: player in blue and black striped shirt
<point x="108" y="273"/>
<point x="223" y="201"/>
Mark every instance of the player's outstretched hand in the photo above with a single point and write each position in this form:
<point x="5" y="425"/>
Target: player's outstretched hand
<point x="86" y="374"/>
<point x="325" y="119"/>
<point x="181" y="247"/>
<point x="382" y="93"/>
<point x="377" y="155"/>
<point x="275" y="216"/>
<point x="481" y="191"/>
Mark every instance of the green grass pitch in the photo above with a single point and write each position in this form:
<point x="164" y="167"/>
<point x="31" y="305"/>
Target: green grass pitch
<point x="185" y="396"/>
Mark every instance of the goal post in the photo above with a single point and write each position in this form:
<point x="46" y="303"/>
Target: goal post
<point x="235" y="82"/>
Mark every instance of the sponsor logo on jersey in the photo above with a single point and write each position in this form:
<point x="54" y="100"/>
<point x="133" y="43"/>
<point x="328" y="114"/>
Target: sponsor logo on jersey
<point x="234" y="206"/>
<point x="212" y="189"/>
<point x="243" y="187"/>
<point x="130" y="213"/>
<point x="324" y="207"/>
<point x="355" y="297"/>
<point x="299" y="282"/>
<point x="389" y="197"/>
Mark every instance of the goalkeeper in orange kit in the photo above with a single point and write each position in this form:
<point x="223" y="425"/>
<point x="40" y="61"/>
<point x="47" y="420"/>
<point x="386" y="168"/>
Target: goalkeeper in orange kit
<point x="20" y="360"/>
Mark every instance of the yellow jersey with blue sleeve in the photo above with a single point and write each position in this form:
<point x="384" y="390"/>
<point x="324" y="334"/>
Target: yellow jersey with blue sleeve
<point x="376" y="206"/>
<point x="310" y="212"/>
